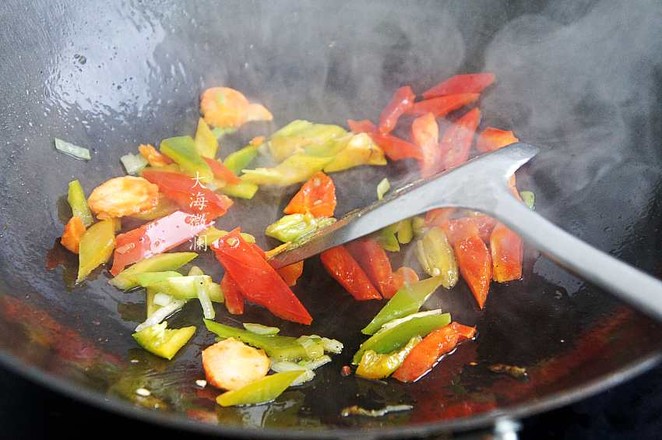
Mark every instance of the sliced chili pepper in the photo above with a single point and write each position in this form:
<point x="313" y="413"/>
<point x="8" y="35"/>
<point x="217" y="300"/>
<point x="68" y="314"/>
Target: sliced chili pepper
<point x="465" y="83"/>
<point x="425" y="133"/>
<point x="512" y="184"/>
<point x="261" y="391"/>
<point x="438" y="216"/>
<point x="456" y="141"/>
<point x="159" y="263"/>
<point x="507" y="252"/>
<point x="405" y="302"/>
<point x="78" y="202"/>
<point x="423" y="357"/>
<point x="295" y="169"/>
<point x="443" y="105"/>
<point x="240" y="159"/>
<point x="95" y="247"/>
<point x="373" y="259"/>
<point x="375" y="365"/>
<point x="396" y="148"/>
<point x="234" y="300"/>
<point x="317" y="196"/>
<point x="436" y="257"/>
<point x="355" y="150"/>
<point x="401" y="102"/>
<point x="460" y="228"/>
<point x="291" y="273"/>
<point x="463" y="227"/>
<point x="189" y="194"/>
<point x="181" y="149"/>
<point x="395" y="337"/>
<point x="402" y="277"/>
<point x="73" y="231"/>
<point x="258" y="281"/>
<point x="162" y="341"/>
<point x="206" y="143"/>
<point x="475" y="264"/>
<point x="491" y="139"/>
<point x="340" y="264"/>
<point x="303" y="136"/>
<point x="153" y="156"/>
<point x="228" y="108"/>
<point x="221" y="172"/>
<point x="277" y="347"/>
<point x="156" y="237"/>
<point x="363" y="126"/>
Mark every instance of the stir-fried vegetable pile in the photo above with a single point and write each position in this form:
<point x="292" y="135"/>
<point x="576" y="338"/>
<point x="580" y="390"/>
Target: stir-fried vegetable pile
<point x="180" y="189"/>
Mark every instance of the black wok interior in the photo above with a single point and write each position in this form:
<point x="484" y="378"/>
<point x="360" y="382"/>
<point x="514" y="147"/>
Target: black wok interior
<point x="582" y="79"/>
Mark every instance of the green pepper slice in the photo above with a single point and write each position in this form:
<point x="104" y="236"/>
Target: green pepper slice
<point x="295" y="226"/>
<point x="295" y="169"/>
<point x="205" y="141"/>
<point x="359" y="149"/>
<point x="186" y="287"/>
<point x="78" y="202"/>
<point x="163" y="342"/>
<point x="406" y="301"/>
<point x="299" y="135"/>
<point x="240" y="159"/>
<point x="387" y="238"/>
<point x="279" y="348"/>
<point x="182" y="150"/>
<point x="96" y="247"/>
<point x="147" y="279"/>
<point x="242" y="190"/>
<point x="375" y="365"/>
<point x="393" y="338"/>
<point x="261" y="391"/>
<point x="158" y="263"/>
<point x="436" y="256"/>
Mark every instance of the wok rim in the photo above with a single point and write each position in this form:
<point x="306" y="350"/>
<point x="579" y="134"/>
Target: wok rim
<point x="459" y="425"/>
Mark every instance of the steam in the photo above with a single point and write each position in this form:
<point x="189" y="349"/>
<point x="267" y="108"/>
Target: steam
<point x="579" y="86"/>
<point x="580" y="78"/>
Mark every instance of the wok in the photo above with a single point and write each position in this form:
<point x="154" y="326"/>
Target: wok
<point x="579" y="78"/>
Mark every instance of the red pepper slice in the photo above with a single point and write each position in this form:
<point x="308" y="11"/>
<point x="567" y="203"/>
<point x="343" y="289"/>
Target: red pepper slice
<point x="340" y="264"/>
<point x="396" y="148"/>
<point x="317" y="196"/>
<point x="189" y="194"/>
<point x="456" y="141"/>
<point x="234" y="299"/>
<point x="425" y="355"/>
<point x="443" y="105"/>
<point x="401" y="102"/>
<point x="492" y="139"/>
<point x="465" y="83"/>
<point x="507" y="253"/>
<point x="404" y="275"/>
<point x="438" y="216"/>
<point x="156" y="237"/>
<point x="362" y="126"/>
<point x="222" y="172"/>
<point x="425" y="133"/>
<point x="461" y="228"/>
<point x="258" y="281"/>
<point x="475" y="263"/>
<point x="291" y="273"/>
<point x="374" y="261"/>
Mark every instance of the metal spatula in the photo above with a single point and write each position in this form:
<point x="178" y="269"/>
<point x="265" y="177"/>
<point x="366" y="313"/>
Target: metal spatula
<point x="481" y="184"/>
